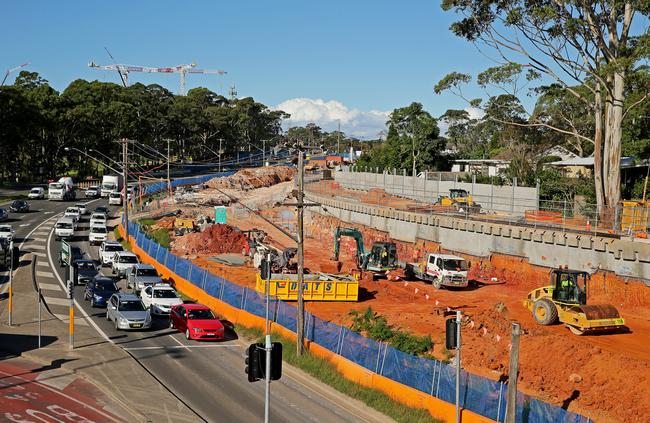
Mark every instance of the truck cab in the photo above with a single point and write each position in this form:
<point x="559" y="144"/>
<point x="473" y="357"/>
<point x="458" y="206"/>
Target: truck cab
<point x="441" y="270"/>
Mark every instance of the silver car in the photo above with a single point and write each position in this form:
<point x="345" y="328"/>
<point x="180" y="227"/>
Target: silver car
<point x="128" y="312"/>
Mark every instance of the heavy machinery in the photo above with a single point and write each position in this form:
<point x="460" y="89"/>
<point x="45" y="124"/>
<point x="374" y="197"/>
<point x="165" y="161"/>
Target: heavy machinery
<point x="565" y="300"/>
<point x="460" y="200"/>
<point x="183" y="226"/>
<point x="382" y="256"/>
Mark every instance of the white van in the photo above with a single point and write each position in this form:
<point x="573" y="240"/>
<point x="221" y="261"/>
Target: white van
<point x="115" y="199"/>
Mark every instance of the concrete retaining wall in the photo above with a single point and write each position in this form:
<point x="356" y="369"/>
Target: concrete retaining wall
<point x="509" y="199"/>
<point x="625" y="257"/>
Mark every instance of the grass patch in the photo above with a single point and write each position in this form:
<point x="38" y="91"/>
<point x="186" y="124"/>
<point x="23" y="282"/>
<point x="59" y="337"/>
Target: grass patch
<point x="161" y="236"/>
<point x="118" y="237"/>
<point x="147" y="221"/>
<point x="324" y="371"/>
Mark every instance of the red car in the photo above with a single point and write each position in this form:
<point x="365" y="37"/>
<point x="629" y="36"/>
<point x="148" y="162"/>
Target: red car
<point x="196" y="321"/>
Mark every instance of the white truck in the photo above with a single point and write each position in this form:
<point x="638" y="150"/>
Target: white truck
<point x="111" y="183"/>
<point x="62" y="190"/>
<point x="441" y="270"/>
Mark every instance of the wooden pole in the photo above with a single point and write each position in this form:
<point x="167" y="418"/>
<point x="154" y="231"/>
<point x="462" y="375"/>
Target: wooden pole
<point x="511" y="404"/>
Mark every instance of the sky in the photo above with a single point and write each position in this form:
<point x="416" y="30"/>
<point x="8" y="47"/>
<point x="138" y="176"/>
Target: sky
<point x="333" y="61"/>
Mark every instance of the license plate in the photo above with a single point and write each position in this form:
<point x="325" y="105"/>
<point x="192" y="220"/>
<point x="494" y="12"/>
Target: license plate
<point x="136" y="325"/>
<point x="209" y="334"/>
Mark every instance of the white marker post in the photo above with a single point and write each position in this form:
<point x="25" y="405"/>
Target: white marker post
<point x="268" y="345"/>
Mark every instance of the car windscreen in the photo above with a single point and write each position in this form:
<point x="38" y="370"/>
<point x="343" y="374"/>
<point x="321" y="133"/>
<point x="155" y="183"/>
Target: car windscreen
<point x="201" y="314"/>
<point x="98" y="216"/>
<point x="164" y="293"/>
<point x="35" y="191"/>
<point x="63" y="225"/>
<point x="131" y="306"/>
<point x="105" y="285"/>
<point x="115" y="195"/>
<point x="98" y="230"/>
<point x="113" y="248"/>
<point x="72" y="210"/>
<point x="108" y="185"/>
<point x="453" y="264"/>
<point x="5" y="229"/>
<point x="147" y="272"/>
<point x="128" y="259"/>
<point x="56" y="186"/>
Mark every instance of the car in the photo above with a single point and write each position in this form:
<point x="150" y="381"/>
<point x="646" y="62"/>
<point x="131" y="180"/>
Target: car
<point x="75" y="255"/>
<point x="122" y="262"/>
<point x="86" y="270"/>
<point x="107" y="250"/>
<point x="101" y="209"/>
<point x="74" y="214"/>
<point x="4" y="214"/>
<point x="36" y="193"/>
<point x="7" y="232"/>
<point x="140" y="276"/>
<point x="19" y="206"/>
<point x="97" y="234"/>
<point x="93" y="191"/>
<point x="82" y="208"/>
<point x="196" y="321"/>
<point x="160" y="298"/>
<point x="99" y="290"/>
<point x="115" y="199"/>
<point x="97" y="219"/>
<point x="64" y="228"/>
<point x="128" y="312"/>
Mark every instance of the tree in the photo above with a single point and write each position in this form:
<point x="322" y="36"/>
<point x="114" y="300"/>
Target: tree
<point x="590" y="44"/>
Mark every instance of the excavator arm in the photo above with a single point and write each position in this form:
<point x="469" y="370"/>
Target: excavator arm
<point x="353" y="233"/>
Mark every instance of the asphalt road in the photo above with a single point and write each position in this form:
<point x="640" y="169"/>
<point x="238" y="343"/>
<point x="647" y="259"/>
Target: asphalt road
<point x="208" y="377"/>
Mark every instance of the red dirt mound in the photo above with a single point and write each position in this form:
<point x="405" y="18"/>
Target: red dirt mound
<point x="216" y="239"/>
<point x="247" y="179"/>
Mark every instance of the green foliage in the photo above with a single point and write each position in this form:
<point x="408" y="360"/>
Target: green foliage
<point x="327" y="373"/>
<point x="376" y="327"/>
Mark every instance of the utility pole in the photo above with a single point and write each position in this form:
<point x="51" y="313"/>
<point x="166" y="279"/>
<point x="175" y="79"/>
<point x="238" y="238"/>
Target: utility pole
<point x="220" y="153"/>
<point x="338" y="139"/>
<point x="125" y="175"/>
<point x="268" y="344"/>
<point x="168" y="180"/>
<point x="301" y="255"/>
<point x="458" y="363"/>
<point x="511" y="403"/>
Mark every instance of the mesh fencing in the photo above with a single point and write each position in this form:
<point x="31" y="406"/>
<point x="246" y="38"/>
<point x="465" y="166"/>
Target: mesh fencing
<point x="477" y="394"/>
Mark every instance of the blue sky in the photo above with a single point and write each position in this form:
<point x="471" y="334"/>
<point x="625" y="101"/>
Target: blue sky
<point x="356" y="56"/>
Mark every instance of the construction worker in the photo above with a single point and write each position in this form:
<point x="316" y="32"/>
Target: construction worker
<point x="384" y="256"/>
<point x="568" y="286"/>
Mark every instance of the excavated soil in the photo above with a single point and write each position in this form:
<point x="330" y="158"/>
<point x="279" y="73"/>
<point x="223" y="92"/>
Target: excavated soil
<point x="216" y="239"/>
<point x="248" y="179"/>
<point x="605" y="377"/>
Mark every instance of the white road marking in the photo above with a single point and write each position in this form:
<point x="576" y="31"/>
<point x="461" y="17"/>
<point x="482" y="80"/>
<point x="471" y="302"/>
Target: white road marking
<point x="45" y="274"/>
<point x="49" y="286"/>
<point x="36" y="247"/>
<point x="39" y="239"/>
<point x="57" y="301"/>
<point x="181" y="346"/>
<point x="66" y="319"/>
<point x="179" y="342"/>
<point x="22" y="225"/>
<point x="43" y="263"/>
<point x="48" y="212"/>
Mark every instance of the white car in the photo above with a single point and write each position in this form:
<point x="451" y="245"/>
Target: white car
<point x="7" y="232"/>
<point x="107" y="250"/>
<point x="64" y="228"/>
<point x="123" y="261"/>
<point x="74" y="214"/>
<point x="82" y="208"/>
<point x="97" y="219"/>
<point x="36" y="193"/>
<point x="115" y="199"/>
<point x="97" y="234"/>
<point x="160" y="298"/>
<point x="93" y="191"/>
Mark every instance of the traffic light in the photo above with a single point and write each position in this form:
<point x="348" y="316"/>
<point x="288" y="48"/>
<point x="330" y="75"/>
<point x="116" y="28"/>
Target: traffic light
<point x="265" y="269"/>
<point x="253" y="362"/>
<point x="451" y="334"/>
<point x="70" y="289"/>
<point x="276" y="361"/>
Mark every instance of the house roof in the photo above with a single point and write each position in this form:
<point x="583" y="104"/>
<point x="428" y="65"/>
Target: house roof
<point x="559" y="151"/>
<point x="626" y="162"/>
<point x="482" y="161"/>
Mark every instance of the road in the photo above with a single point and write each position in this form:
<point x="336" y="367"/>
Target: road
<point x="208" y="377"/>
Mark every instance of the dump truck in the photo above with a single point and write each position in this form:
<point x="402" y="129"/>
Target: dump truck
<point x="565" y="301"/>
<point x="440" y="270"/>
<point x="381" y="258"/>
<point x="460" y="200"/>
<point x="62" y="190"/>
<point x="317" y="287"/>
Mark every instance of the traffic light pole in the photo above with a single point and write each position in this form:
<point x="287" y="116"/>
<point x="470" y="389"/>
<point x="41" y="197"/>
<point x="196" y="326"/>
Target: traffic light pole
<point x="458" y="320"/>
<point x="11" y="285"/>
<point x="268" y="346"/>
<point x="72" y="276"/>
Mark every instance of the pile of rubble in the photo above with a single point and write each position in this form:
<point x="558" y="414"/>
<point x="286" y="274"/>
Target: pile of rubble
<point x="248" y="179"/>
<point x="214" y="239"/>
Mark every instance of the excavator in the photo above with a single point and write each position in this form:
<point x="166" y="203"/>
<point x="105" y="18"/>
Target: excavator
<point x="565" y="300"/>
<point x="382" y="256"/>
<point x="460" y="200"/>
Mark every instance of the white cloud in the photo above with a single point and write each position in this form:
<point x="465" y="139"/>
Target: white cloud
<point x="474" y="112"/>
<point x="327" y="115"/>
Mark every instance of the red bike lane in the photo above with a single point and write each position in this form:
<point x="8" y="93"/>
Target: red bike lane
<point x="31" y="394"/>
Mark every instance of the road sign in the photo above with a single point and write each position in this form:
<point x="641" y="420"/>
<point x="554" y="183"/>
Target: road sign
<point x="65" y="252"/>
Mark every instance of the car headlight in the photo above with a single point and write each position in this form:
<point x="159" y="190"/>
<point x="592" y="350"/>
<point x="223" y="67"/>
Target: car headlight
<point x="220" y="330"/>
<point x="122" y="321"/>
<point x="196" y="330"/>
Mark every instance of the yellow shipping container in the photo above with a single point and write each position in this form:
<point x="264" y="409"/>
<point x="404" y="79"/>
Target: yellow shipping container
<point x="316" y="288"/>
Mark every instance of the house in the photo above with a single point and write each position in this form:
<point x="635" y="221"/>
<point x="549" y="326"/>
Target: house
<point x="574" y="167"/>
<point x="558" y="151"/>
<point x="488" y="167"/>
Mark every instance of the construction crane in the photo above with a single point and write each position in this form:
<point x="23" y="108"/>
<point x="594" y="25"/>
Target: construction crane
<point x="12" y="70"/>
<point x="183" y="70"/>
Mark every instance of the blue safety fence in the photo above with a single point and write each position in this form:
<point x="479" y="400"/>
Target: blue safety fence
<point x="477" y="394"/>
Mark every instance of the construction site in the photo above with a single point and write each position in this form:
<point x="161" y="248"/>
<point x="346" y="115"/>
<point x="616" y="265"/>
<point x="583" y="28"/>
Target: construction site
<point x="415" y="264"/>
